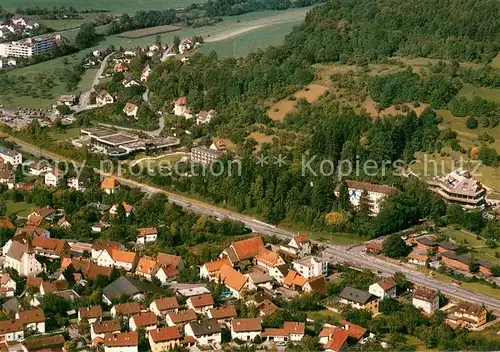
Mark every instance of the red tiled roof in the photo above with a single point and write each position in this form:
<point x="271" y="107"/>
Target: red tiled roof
<point x="146" y="265"/>
<point x="106" y="326"/>
<point x="354" y="331"/>
<point x="165" y="259"/>
<point x="166" y="303"/>
<point x="216" y="265"/>
<point x="7" y="326"/>
<point x="293" y="278"/>
<point x="5" y="223"/>
<point x="301" y="238"/>
<point x="31" y="316"/>
<point x="34" y="281"/>
<point x="122" y="339"/>
<point x="201" y="300"/>
<point x="270" y="258"/>
<point x="145" y="231"/>
<point x="246" y="324"/>
<point x="248" y="248"/>
<point x="145" y="319"/>
<point x="181" y="101"/>
<point x="223" y="312"/>
<point x="123" y="256"/>
<point x="165" y="334"/>
<point x="387" y="284"/>
<point x="418" y="256"/>
<point x="90" y="312"/>
<point x="47" y="243"/>
<point x="232" y="278"/>
<point x="267" y="307"/>
<point x="182" y="316"/>
<point x="128" y="308"/>
<point x="338" y="339"/>
<point x="109" y="183"/>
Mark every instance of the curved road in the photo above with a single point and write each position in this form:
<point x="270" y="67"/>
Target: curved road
<point x="331" y="252"/>
<point x="85" y="96"/>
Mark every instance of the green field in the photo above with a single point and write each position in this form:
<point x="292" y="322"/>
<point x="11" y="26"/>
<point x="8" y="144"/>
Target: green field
<point x="496" y="61"/>
<point x="117" y="6"/>
<point x="64" y="24"/>
<point x="343" y="239"/>
<point x="324" y="315"/>
<point x="64" y="133"/>
<point x="472" y="286"/>
<point x="21" y="209"/>
<point x="469" y="91"/>
<point x="481" y="251"/>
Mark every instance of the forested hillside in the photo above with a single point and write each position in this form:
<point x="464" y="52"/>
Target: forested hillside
<point x="360" y="30"/>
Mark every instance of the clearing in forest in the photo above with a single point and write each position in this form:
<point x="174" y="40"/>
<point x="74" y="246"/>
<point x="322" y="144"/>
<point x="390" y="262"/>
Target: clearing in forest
<point x="371" y="108"/>
<point x="311" y="93"/>
<point x="260" y="138"/>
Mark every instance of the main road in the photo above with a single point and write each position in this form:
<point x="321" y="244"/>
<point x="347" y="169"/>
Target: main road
<point x="332" y="253"/>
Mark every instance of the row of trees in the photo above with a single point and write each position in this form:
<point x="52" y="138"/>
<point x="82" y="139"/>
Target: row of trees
<point x="238" y="7"/>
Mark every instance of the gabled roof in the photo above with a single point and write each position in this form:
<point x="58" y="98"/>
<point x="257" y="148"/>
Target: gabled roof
<point x="145" y="319"/>
<point x="387" y="284"/>
<point x="5" y="223"/>
<point x="122" y="339"/>
<point x="17" y="250"/>
<point x="246" y="324"/>
<point x="355" y="295"/>
<point x="110" y="183"/>
<point x="337" y="340"/>
<point x="318" y="284"/>
<point x="232" y="278"/>
<point x="146" y="265"/>
<point x="51" y="244"/>
<point x="128" y="286"/>
<point x="205" y="327"/>
<point x="268" y="257"/>
<point x="301" y="238"/>
<point x="166" y="303"/>
<point x="181" y="101"/>
<point x="354" y="331"/>
<point x="165" y="334"/>
<point x="223" y="312"/>
<point x="90" y="312"/>
<point x="12" y="305"/>
<point x="216" y="265"/>
<point x="8" y="326"/>
<point x="123" y="256"/>
<point x="31" y="316"/>
<point x="127" y="308"/>
<point x="418" y="256"/>
<point x="182" y="316"/>
<point x="106" y="326"/>
<point x="201" y="300"/>
<point x="165" y="259"/>
<point x="289" y="328"/>
<point x="40" y="343"/>
<point x="268" y="307"/>
<point x="424" y="294"/>
<point x="294" y="278"/>
<point x="146" y="231"/>
<point x="249" y="248"/>
<point x="34" y="281"/>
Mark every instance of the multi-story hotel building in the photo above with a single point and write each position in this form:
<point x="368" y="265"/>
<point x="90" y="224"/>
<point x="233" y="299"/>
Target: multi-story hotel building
<point x="28" y="47"/>
<point x="459" y="187"/>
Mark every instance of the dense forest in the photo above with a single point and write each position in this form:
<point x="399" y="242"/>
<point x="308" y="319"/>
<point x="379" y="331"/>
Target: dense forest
<point x="239" y="7"/>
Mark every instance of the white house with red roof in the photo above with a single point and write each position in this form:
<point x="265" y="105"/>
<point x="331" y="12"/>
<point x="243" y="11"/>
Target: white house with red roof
<point x="243" y="251"/>
<point x="147" y="235"/>
<point x="299" y="246"/>
<point x="110" y="185"/>
<point x="113" y="211"/>
<point x="54" y="177"/>
<point x="163" y="306"/>
<point x="267" y="259"/>
<point x="201" y="303"/>
<point x="121" y="342"/>
<point x="211" y="269"/>
<point x="146" y="321"/>
<point x="291" y="331"/>
<point x="117" y="258"/>
<point x="181" y="108"/>
<point x="385" y="288"/>
<point x="131" y="110"/>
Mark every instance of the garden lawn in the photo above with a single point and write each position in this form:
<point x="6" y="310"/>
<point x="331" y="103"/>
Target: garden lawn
<point x="481" y="252"/>
<point x="21" y="208"/>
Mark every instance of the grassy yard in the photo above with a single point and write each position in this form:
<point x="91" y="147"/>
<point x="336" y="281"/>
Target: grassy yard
<point x="473" y="286"/>
<point x="161" y="161"/>
<point x="64" y="133"/>
<point x="21" y="209"/>
<point x="342" y="239"/>
<point x="481" y="250"/>
<point x="63" y="24"/>
<point x="469" y="91"/>
<point x="324" y="315"/>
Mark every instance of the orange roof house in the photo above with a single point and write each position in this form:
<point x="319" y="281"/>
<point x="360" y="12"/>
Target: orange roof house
<point x="50" y="247"/>
<point x="294" y="280"/>
<point x="165" y="334"/>
<point x="243" y="250"/>
<point x="110" y="185"/>
<point x="121" y="340"/>
<point x="119" y="67"/>
<point x="233" y="280"/>
<point x="5" y="223"/>
<point x="123" y="256"/>
<point x="268" y="259"/>
<point x="146" y="266"/>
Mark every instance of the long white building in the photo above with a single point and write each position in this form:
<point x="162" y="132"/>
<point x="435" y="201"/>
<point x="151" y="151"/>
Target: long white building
<point x="10" y="156"/>
<point x="28" y="47"/>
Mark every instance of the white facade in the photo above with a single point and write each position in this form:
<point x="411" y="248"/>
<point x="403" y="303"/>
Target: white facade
<point x="36" y="327"/>
<point x="162" y="276"/>
<point x="133" y="327"/>
<point x="104" y="258"/>
<point x="28" y="47"/>
<point x="76" y="184"/>
<point x="11" y="156"/>
<point x="147" y="239"/>
<point x="426" y="306"/>
<point x="310" y="267"/>
<point x="121" y="349"/>
<point x="244" y="335"/>
<point x="378" y="291"/>
<point x="203" y="340"/>
<point x="26" y="265"/>
<point x="52" y="178"/>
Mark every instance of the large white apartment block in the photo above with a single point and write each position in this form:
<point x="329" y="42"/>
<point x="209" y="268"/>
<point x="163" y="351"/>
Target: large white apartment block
<point x="376" y="193"/>
<point x="10" y="156"/>
<point x="310" y="267"/>
<point x="28" y="47"/>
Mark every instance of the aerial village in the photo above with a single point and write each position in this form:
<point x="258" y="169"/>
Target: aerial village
<point x="258" y="291"/>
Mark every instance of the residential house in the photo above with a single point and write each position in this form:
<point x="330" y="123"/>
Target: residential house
<point x="53" y="248"/>
<point x="260" y="279"/>
<point x="12" y="306"/>
<point x="33" y="320"/>
<point x="181" y="108"/>
<point x="37" y="217"/>
<point x="99" y="328"/>
<point x="146" y="321"/>
<point x="234" y="281"/>
<point x="291" y="331"/>
<point x="67" y="99"/>
<point x="43" y="344"/>
<point x="53" y="178"/>
<point x="104" y="98"/>
<point x="268" y="259"/>
<point x="243" y="251"/>
<point x="147" y="235"/>
<point x="358" y="299"/>
<point x="205" y="116"/>
<point x="76" y="183"/>
<point x="64" y="223"/>
<point x="467" y="315"/>
<point x="119" y="259"/>
<point x="333" y="339"/>
<point x="113" y="211"/>
<point x="120" y="67"/>
<point x="185" y="45"/>
<point x="125" y="309"/>
<point x="294" y="281"/>
<point x="310" y="267"/>
<point x="92" y="314"/>
<point x="7" y="286"/>
<point x="376" y="193"/>
<point x="21" y="257"/>
<point x="316" y="284"/>
<point x="130" y="287"/>
<point x="223" y="314"/>
<point x="99" y="246"/>
<point x="129" y="81"/>
<point x="299" y="246"/>
<point x="211" y="269"/>
<point x="205" y="332"/>
<point x="385" y="288"/>
<point x="39" y="168"/>
<point x="110" y="185"/>
<point x="180" y="317"/>
<point x="9" y="156"/>
<point x="425" y="299"/>
<point x="163" y="306"/>
<point x="145" y="73"/>
<point x="170" y="266"/>
<point x="245" y="329"/>
<point x="121" y="342"/>
<point x="164" y="339"/>
<point x="146" y="267"/>
<point x="11" y="330"/>
<point x="267" y="307"/>
<point x="418" y="258"/>
<point x="200" y="304"/>
<point x="131" y="110"/>
<point x="279" y="272"/>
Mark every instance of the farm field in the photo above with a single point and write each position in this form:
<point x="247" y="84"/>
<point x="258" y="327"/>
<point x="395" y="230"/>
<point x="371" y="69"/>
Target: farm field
<point x="311" y="93"/>
<point x="481" y="251"/>
<point x="63" y="24"/>
<point x="117" y="6"/>
<point x="146" y="32"/>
